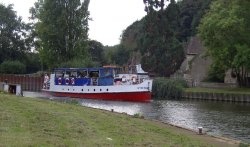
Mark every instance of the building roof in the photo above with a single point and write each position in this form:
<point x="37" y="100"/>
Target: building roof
<point x="194" y="46"/>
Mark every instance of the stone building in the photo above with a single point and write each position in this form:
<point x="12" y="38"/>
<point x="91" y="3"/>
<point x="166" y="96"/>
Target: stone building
<point x="196" y="65"/>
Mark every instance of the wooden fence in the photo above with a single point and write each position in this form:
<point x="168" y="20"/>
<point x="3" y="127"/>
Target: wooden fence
<point x="28" y="82"/>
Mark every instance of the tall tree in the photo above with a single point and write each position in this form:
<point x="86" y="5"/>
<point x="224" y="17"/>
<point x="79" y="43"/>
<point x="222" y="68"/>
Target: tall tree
<point x="151" y="5"/>
<point x="95" y="49"/>
<point x="62" y="29"/>
<point x="109" y="54"/>
<point x="128" y="42"/>
<point x="225" y="31"/>
<point x="191" y="11"/>
<point x="161" y="51"/>
<point x="13" y="35"/>
<point x="122" y="55"/>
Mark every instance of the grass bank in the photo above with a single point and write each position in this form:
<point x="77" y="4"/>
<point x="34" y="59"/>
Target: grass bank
<point x="222" y="90"/>
<point x="37" y="122"/>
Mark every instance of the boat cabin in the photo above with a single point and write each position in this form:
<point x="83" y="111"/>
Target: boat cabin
<point x="85" y="76"/>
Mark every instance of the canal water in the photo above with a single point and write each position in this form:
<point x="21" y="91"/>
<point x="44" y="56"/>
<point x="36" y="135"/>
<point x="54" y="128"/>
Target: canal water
<point x="231" y="120"/>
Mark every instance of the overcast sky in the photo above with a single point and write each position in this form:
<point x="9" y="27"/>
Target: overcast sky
<point x="110" y="17"/>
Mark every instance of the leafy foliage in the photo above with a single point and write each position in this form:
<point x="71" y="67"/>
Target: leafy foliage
<point x="225" y="31"/>
<point x="151" y="5"/>
<point x="215" y="74"/>
<point x="109" y="53"/>
<point x="12" y="67"/>
<point x="16" y="43"/>
<point x="129" y="42"/>
<point x="130" y="35"/>
<point x="168" y="88"/>
<point x="162" y="53"/>
<point x="13" y="35"/>
<point x="191" y="12"/>
<point x="76" y="63"/>
<point x="156" y="40"/>
<point x="96" y="50"/>
<point x="62" y="30"/>
<point x="117" y="55"/>
<point x="32" y="62"/>
<point x="122" y="55"/>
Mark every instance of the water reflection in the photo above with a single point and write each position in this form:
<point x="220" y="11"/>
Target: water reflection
<point x="217" y="118"/>
<point x="126" y="107"/>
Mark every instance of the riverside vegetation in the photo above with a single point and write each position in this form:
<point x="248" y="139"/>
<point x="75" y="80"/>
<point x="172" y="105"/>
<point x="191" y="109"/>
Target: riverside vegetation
<point x="164" y="88"/>
<point x="38" y="122"/>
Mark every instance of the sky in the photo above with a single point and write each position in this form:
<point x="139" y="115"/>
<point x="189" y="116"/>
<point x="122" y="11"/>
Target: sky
<point x="109" y="17"/>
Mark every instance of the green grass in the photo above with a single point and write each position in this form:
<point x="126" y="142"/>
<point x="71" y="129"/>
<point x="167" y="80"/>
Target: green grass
<point x="223" y="90"/>
<point x="37" y="122"/>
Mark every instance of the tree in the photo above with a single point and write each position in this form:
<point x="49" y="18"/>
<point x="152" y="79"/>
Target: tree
<point x="162" y="53"/>
<point x="129" y="40"/>
<point x="151" y="5"/>
<point x="12" y="67"/>
<point x="191" y="12"/>
<point x="225" y="31"/>
<point x="62" y="30"/>
<point x="95" y="49"/>
<point x="13" y="35"/>
<point x="109" y="54"/>
<point x="121" y="56"/>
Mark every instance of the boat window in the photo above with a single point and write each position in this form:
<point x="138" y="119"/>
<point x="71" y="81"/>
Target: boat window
<point x="117" y="71"/>
<point x="73" y="74"/>
<point x="59" y="74"/>
<point x="82" y="73"/>
<point x="66" y="74"/>
<point x="107" y="73"/>
<point x="94" y="74"/>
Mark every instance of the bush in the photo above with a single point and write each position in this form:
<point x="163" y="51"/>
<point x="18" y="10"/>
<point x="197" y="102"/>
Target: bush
<point x="215" y="74"/>
<point x="32" y="63"/>
<point x="78" y="63"/>
<point x="12" y="67"/>
<point x="164" y="88"/>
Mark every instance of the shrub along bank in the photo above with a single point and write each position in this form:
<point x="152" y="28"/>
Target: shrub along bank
<point x="164" y="88"/>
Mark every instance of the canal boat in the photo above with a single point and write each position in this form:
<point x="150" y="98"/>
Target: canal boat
<point x="106" y="83"/>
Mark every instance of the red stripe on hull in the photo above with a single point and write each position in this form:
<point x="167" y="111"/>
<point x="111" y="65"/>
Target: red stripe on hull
<point x="128" y="96"/>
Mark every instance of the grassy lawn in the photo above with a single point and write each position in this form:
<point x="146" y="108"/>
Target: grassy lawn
<point x="37" y="122"/>
<point x="223" y="90"/>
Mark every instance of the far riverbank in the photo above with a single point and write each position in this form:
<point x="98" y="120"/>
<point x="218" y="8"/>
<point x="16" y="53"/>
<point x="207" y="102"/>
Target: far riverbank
<point x="241" y="95"/>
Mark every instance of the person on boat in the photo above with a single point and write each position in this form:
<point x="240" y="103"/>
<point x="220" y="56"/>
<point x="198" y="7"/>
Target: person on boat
<point x="46" y="81"/>
<point x="134" y="79"/>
